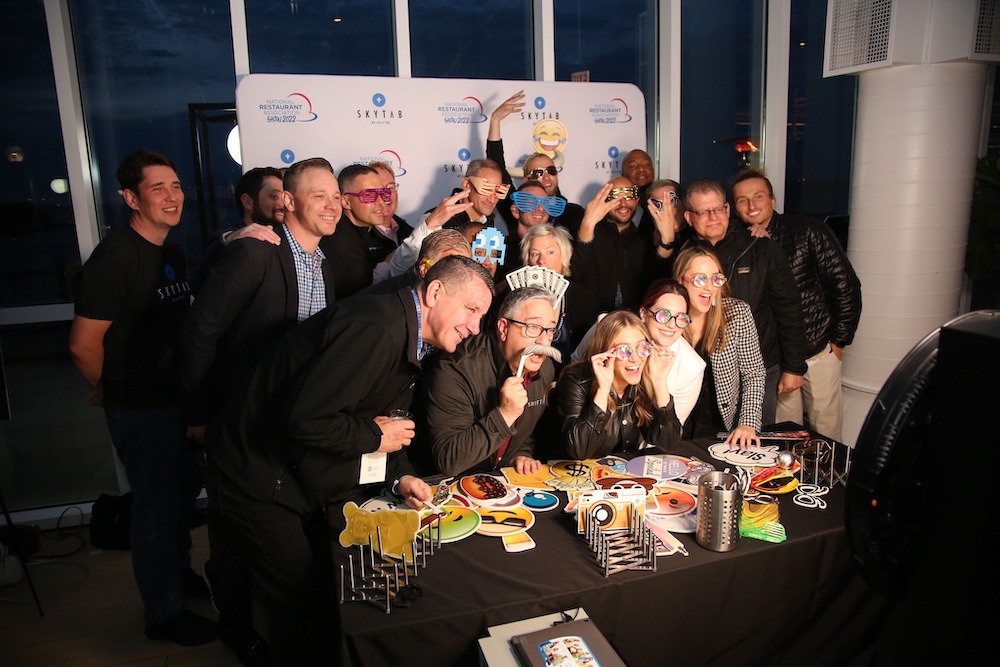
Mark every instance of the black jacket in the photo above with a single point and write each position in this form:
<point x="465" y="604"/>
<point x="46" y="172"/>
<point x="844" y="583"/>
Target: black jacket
<point x="759" y="274"/>
<point x="589" y="432"/>
<point x="828" y="285"/>
<point x="294" y="435"/>
<point x="460" y="396"/>
<point x="250" y="298"/>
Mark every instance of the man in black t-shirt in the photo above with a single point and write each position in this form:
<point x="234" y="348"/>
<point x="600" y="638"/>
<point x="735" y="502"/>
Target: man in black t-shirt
<point x="130" y="303"/>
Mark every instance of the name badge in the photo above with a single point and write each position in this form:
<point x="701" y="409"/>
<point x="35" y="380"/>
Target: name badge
<point x="373" y="467"/>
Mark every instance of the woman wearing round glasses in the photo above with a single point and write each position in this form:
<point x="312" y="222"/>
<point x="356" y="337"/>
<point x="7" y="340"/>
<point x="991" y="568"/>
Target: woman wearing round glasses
<point x="618" y="400"/>
<point x="665" y="311"/>
<point x="723" y="332"/>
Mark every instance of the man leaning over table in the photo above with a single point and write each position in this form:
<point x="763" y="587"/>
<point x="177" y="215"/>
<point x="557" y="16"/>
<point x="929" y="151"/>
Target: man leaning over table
<point x="311" y="427"/>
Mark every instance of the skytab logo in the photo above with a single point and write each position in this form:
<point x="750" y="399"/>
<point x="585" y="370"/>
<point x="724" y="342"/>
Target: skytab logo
<point x="610" y="113"/>
<point x="378" y="114"/>
<point x="541" y="113"/>
<point x="465" y="112"/>
<point x="293" y="108"/>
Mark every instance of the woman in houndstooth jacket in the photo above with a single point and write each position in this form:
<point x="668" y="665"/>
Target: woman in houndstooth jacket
<point x="723" y="332"/>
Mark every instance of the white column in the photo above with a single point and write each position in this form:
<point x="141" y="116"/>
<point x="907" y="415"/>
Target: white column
<point x="915" y="147"/>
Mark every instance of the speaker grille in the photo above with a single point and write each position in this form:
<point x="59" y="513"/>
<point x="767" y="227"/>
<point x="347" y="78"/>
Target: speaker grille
<point x="987" y="42"/>
<point x="858" y="35"/>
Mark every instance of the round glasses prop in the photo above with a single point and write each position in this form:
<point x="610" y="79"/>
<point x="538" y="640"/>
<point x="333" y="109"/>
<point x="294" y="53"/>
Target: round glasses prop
<point x="663" y="316"/>
<point x="700" y="279"/>
<point x="624" y="352"/>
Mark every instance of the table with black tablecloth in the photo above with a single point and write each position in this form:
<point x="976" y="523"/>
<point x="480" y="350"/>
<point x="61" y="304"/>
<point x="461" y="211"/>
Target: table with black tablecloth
<point x="760" y="604"/>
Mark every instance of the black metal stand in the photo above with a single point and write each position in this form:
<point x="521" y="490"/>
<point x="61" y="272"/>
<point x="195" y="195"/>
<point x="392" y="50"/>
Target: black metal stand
<point x="15" y="547"/>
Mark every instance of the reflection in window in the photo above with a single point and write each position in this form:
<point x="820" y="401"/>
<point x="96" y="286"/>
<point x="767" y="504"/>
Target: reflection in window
<point x="820" y="122"/>
<point x="472" y="40"/>
<point x="721" y="84"/>
<point x="348" y="37"/>
<point x="39" y="247"/>
<point x="610" y="42"/>
<point x="139" y="71"/>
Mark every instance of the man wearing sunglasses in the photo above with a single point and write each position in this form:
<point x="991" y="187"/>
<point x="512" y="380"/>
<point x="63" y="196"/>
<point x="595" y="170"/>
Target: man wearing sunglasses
<point x="831" y="300"/>
<point x="616" y="262"/>
<point x="537" y="167"/>
<point x="480" y="414"/>
<point x="759" y="274"/>
<point x="358" y="247"/>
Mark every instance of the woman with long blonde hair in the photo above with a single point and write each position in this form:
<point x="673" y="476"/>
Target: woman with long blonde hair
<point x="618" y="399"/>
<point x="723" y="332"/>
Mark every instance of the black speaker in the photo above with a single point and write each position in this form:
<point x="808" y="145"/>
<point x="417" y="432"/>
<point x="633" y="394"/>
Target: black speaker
<point x="921" y="497"/>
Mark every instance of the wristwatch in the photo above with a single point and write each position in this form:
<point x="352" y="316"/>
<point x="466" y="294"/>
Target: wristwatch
<point x="668" y="246"/>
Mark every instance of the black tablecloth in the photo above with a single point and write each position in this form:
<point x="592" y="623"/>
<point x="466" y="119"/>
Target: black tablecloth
<point x="760" y="604"/>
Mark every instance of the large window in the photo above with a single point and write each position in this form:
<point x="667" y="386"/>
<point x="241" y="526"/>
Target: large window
<point x="820" y="122"/>
<point x="350" y="37"/>
<point x="471" y="40"/>
<point x="609" y="42"/>
<point x="722" y="65"/>
<point x="39" y="247"/>
<point x="141" y="66"/>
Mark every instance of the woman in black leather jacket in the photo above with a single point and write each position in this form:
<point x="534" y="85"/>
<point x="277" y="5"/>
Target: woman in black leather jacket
<point x="618" y="400"/>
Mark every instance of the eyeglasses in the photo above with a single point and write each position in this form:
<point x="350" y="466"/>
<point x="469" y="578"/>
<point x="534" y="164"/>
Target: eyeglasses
<point x="536" y="330"/>
<point x="631" y="192"/>
<point x="663" y="316"/>
<point x="527" y="202"/>
<point x="658" y="203"/>
<point x="369" y="195"/>
<point x="625" y="352"/>
<point x="706" y="212"/>
<point x="535" y="174"/>
<point x="700" y="279"/>
<point x="487" y="189"/>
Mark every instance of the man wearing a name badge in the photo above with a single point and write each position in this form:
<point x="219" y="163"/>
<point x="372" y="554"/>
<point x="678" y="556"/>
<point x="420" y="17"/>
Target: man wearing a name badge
<point x="312" y="425"/>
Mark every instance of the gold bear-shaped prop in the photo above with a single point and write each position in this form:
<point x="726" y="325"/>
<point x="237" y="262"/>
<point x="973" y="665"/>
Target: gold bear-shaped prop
<point x="399" y="529"/>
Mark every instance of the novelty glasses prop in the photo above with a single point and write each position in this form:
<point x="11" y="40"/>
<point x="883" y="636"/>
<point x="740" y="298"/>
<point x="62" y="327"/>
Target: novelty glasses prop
<point x="625" y="352"/>
<point x="527" y="202"/>
<point x="700" y="279"/>
<point x="369" y="195"/>
<point x="631" y="192"/>
<point x="663" y="316"/>
<point x="488" y="189"/>
<point x="535" y="174"/>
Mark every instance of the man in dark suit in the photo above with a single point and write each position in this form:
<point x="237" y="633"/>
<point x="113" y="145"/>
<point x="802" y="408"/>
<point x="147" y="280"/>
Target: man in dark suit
<point x="255" y="292"/>
<point x="311" y="427"/>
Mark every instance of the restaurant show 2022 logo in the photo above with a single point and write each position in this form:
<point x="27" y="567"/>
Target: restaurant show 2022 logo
<point x="612" y="112"/>
<point x="292" y="108"/>
<point x="467" y="111"/>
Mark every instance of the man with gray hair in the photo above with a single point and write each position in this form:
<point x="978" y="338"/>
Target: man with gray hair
<point x="482" y="403"/>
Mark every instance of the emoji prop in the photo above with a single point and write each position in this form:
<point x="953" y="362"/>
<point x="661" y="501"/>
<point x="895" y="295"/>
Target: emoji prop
<point x="500" y="521"/>
<point x="549" y="136"/>
<point x="536" y="348"/>
<point x="775" y="480"/>
<point x="486" y="490"/>
<point x="489" y="243"/>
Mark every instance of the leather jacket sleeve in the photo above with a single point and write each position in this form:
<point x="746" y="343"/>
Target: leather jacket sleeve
<point x="583" y="423"/>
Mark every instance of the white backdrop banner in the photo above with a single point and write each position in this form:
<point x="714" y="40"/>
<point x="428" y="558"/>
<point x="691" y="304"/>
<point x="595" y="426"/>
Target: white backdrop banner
<point x="430" y="129"/>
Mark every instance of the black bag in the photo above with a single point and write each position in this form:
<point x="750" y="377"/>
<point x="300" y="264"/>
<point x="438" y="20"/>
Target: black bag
<point x="110" y="521"/>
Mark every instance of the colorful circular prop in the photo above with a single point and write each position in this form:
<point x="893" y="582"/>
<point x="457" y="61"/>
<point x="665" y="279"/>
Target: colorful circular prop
<point x="540" y="501"/>
<point x="459" y="523"/>
<point x="673" y="502"/>
<point x="486" y="491"/>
